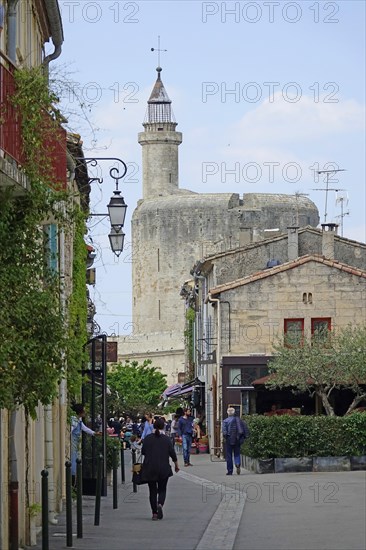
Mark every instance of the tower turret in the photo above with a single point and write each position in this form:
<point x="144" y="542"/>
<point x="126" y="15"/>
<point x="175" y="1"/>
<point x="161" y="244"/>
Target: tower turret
<point x="159" y="142"/>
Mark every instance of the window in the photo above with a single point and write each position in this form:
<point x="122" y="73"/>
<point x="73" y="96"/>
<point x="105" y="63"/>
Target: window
<point x="294" y="332"/>
<point x="320" y="328"/>
<point x="235" y="376"/>
<point x="50" y="244"/>
<point x="243" y="376"/>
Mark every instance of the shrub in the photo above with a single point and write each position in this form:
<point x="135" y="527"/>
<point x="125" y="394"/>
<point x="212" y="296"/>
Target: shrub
<point x="297" y="436"/>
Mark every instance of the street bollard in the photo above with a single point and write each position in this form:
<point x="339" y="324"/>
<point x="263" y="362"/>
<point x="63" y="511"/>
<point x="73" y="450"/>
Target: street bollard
<point x="68" y="504"/>
<point x="134" y="486"/>
<point x="123" y="477"/>
<point x="79" y="499"/>
<point x="45" y="537"/>
<point x="115" y="490"/>
<point x="98" y="490"/>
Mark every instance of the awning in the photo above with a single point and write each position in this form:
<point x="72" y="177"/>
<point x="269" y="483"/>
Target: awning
<point x="262" y="380"/>
<point x="177" y="390"/>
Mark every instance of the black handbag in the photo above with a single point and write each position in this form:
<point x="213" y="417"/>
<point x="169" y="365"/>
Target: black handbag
<point x="137" y="474"/>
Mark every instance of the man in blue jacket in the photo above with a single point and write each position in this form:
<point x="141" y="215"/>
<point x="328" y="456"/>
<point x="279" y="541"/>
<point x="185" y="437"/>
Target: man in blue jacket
<point x="185" y="430"/>
<point x="234" y="431"/>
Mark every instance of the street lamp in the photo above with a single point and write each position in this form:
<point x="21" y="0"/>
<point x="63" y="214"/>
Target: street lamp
<point x="116" y="240"/>
<point x="117" y="207"/>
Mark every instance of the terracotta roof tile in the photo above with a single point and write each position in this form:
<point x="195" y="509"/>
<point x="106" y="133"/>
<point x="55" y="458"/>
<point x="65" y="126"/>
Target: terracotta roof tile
<point x="269" y="272"/>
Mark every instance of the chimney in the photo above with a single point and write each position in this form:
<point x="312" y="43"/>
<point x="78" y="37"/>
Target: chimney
<point x="293" y="242"/>
<point x="328" y="232"/>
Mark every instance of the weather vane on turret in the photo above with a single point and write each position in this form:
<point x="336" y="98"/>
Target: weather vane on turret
<point x="158" y="50"/>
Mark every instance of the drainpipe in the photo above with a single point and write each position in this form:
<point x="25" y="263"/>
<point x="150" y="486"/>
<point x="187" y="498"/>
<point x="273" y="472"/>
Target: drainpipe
<point x="201" y="336"/>
<point x="49" y="456"/>
<point x="49" y="462"/>
<point x="218" y="359"/>
<point x="11" y="38"/>
<point x="62" y="395"/>
<point x="13" y="486"/>
<point x="200" y="331"/>
<point x="54" y="17"/>
<point x="229" y="319"/>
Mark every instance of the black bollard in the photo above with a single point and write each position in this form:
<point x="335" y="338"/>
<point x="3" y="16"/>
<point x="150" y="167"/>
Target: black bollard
<point x="79" y="499"/>
<point x="45" y="537"/>
<point x="134" y="486"/>
<point x="68" y="504"/>
<point x="115" y="491"/>
<point x="123" y="477"/>
<point x="98" y="490"/>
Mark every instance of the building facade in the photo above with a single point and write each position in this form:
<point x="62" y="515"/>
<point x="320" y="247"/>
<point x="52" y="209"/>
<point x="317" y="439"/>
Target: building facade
<point x="246" y="300"/>
<point x="25" y="28"/>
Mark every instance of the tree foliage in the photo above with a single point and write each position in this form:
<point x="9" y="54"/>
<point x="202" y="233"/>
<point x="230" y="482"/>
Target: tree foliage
<point x="135" y="388"/>
<point x="322" y="364"/>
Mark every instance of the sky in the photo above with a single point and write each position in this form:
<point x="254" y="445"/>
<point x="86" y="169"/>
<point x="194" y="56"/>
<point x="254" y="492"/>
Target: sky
<point x="265" y="93"/>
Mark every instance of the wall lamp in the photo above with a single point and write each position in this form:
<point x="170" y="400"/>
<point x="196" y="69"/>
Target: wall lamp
<point x="117" y="207"/>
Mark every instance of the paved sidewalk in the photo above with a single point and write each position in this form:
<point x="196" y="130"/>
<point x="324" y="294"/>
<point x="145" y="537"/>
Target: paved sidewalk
<point x="205" y="509"/>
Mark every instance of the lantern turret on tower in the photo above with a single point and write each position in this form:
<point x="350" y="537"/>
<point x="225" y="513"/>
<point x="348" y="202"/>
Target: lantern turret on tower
<point x="159" y="143"/>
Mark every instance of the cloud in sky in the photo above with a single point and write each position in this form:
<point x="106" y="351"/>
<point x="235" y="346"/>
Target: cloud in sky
<point x="282" y="121"/>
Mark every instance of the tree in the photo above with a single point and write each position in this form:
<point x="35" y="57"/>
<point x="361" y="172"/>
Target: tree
<point x="327" y="362"/>
<point x="135" y="388"/>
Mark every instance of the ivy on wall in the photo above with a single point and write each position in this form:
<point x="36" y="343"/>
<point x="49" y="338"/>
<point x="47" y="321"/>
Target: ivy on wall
<point x="77" y="332"/>
<point x="36" y="348"/>
<point x="189" y="338"/>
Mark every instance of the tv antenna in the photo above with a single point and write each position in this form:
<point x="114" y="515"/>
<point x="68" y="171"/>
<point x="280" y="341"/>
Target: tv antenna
<point x="327" y="188"/>
<point x="158" y="50"/>
<point x="342" y="199"/>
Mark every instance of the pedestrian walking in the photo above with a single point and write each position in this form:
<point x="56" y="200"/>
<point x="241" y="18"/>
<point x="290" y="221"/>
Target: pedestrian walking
<point x="234" y="431"/>
<point x="174" y="429"/>
<point x="148" y="426"/>
<point x="185" y="431"/>
<point x="77" y="426"/>
<point x="157" y="448"/>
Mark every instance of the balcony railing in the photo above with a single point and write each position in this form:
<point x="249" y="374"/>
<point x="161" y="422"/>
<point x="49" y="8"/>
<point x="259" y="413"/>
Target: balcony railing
<point x="10" y="129"/>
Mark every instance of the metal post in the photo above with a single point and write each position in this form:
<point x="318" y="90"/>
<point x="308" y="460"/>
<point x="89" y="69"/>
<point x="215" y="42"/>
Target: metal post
<point x="134" y="486"/>
<point x="45" y="539"/>
<point x="123" y="477"/>
<point x="115" y="494"/>
<point x="79" y="499"/>
<point x="14" y="515"/>
<point x="68" y="504"/>
<point x="98" y="490"/>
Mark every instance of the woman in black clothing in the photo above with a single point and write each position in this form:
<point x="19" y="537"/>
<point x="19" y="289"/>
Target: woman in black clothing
<point x="157" y="448"/>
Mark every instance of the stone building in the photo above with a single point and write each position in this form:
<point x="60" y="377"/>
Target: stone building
<point x="245" y="299"/>
<point x="173" y="227"/>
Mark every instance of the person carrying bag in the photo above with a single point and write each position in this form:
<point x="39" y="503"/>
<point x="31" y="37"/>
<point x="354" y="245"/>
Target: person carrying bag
<point x="155" y="470"/>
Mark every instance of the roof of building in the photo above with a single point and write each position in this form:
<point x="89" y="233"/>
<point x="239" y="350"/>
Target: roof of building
<point x="159" y="108"/>
<point x="159" y="94"/>
<point x="286" y="267"/>
<point x="278" y="237"/>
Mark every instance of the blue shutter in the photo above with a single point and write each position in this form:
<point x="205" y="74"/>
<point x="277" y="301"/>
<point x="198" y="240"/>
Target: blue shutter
<point x="51" y="246"/>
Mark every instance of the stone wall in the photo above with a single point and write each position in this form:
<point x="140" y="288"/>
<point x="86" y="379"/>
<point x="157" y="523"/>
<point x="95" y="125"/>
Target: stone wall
<point x="258" y="309"/>
<point x="170" y="233"/>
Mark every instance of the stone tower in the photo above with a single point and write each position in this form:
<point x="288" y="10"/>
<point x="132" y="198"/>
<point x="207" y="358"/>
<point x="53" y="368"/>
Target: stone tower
<point x="172" y="228"/>
<point x="159" y="143"/>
